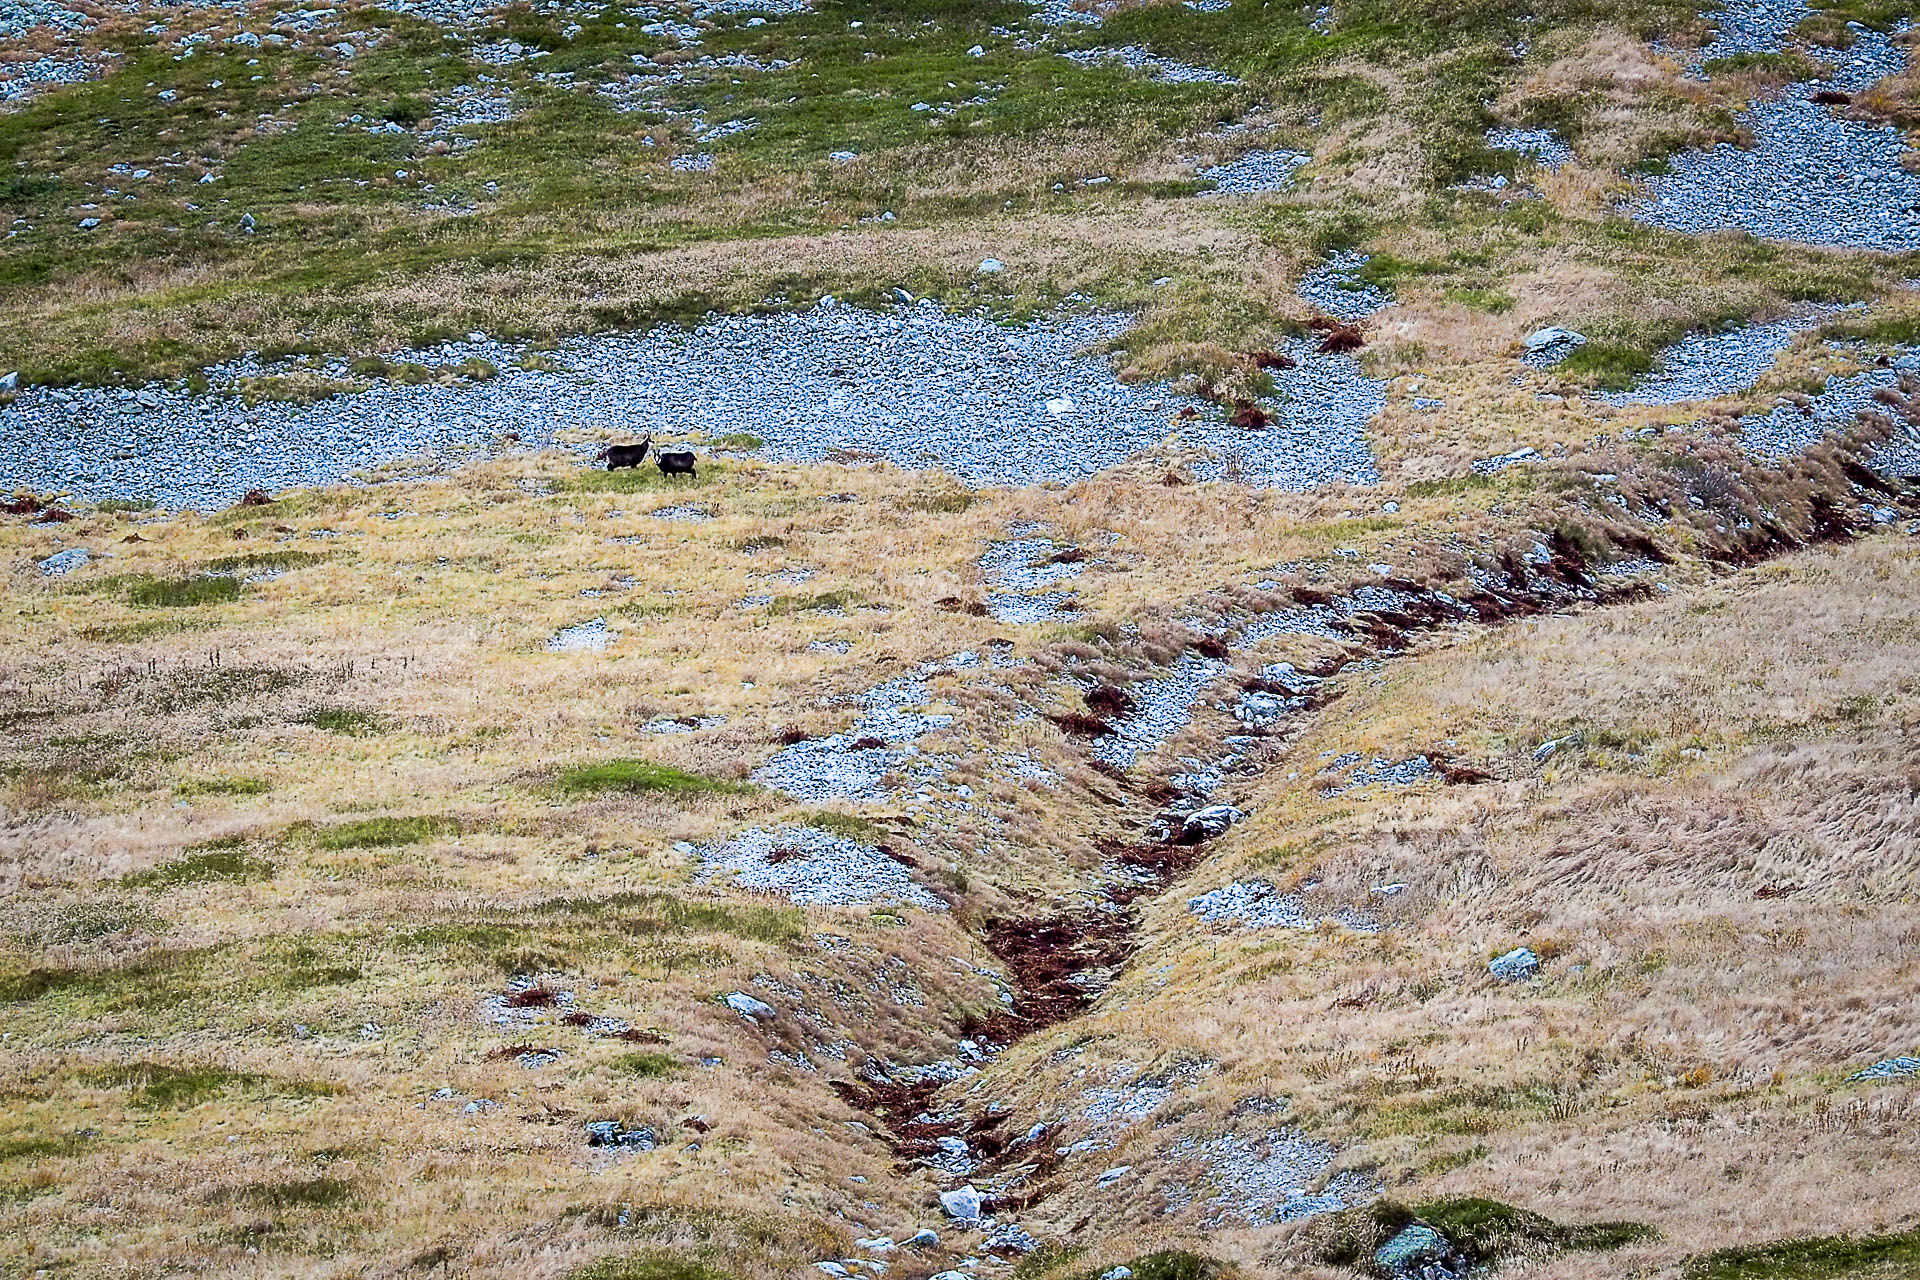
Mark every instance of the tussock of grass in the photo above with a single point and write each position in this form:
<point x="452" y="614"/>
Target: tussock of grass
<point x="647" y="1065"/>
<point x="644" y="777"/>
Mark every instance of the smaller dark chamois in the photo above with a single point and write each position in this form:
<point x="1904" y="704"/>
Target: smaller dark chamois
<point x="675" y="463"/>
<point x="624" y="455"/>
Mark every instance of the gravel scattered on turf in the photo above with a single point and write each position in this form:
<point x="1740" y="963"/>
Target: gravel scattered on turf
<point x="1276" y="1176"/>
<point x="1254" y="173"/>
<point x="1019" y="579"/>
<point x="1255" y="904"/>
<point x="1162" y="707"/>
<point x="915" y="386"/>
<point x="1543" y="145"/>
<point x="1336" y="288"/>
<point x="1392" y="773"/>
<point x="837" y="768"/>
<point x="1811" y="177"/>
<point x="814" y="868"/>
<point x="592" y="636"/>
<point x="1704" y="365"/>
<point x="1165" y="70"/>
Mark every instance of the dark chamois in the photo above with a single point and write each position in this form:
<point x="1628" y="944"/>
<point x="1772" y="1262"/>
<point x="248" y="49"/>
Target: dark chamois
<point x="677" y="463"/>
<point x="624" y="455"/>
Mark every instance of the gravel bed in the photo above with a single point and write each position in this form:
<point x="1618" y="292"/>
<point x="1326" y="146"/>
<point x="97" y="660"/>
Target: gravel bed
<point x="1162" y="707"/>
<point x="1543" y="145"/>
<point x="1266" y="1178"/>
<point x="836" y="768"/>
<point x="592" y="636"/>
<point x="1255" y="172"/>
<point x="1392" y="773"/>
<point x="1321" y="408"/>
<point x="1165" y="70"/>
<point x="1704" y="365"/>
<point x="21" y="80"/>
<point x="1786" y="431"/>
<point x="1255" y="904"/>
<point x="814" y="868"/>
<point x="1811" y="177"/>
<point x="1060" y="13"/>
<point x="1889" y="1069"/>
<point x="1018" y="577"/>
<point x="1336" y="288"/>
<point x="17" y="17"/>
<point x="914" y="386"/>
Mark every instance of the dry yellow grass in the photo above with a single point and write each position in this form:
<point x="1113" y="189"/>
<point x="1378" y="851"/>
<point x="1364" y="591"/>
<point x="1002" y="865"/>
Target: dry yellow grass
<point x="318" y="991"/>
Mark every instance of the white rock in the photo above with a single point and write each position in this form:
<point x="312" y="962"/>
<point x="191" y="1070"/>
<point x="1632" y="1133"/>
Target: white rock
<point x="1553" y="336"/>
<point x="962" y="1203"/>
<point x="745" y="1005"/>
<point x="833" y="1269"/>
<point x="991" y="267"/>
<point x="1114" y="1174"/>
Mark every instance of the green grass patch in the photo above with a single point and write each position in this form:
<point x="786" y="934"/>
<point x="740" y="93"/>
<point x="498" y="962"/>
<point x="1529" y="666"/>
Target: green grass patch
<point x="267" y="560"/>
<point x="157" y="1085"/>
<point x="1813" y="1258"/>
<point x="348" y="722"/>
<point x="320" y="1192"/>
<point x="113" y="505"/>
<point x="380" y="833"/>
<point x="644" y="777"/>
<point x="826" y="600"/>
<point x="647" y="1065"/>
<point x="228" y="864"/>
<point x="650" y="1265"/>
<point x="738" y="440"/>
<point x="1486" y="1230"/>
<point x="1168" y="1264"/>
<point x="847" y="826"/>
<point x="183" y="593"/>
<point x="228" y="785"/>
<point x="41" y="1146"/>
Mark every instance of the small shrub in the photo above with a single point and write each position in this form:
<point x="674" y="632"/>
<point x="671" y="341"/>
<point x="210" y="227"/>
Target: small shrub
<point x="637" y="776"/>
<point x="647" y="1064"/>
<point x="183" y="593"/>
